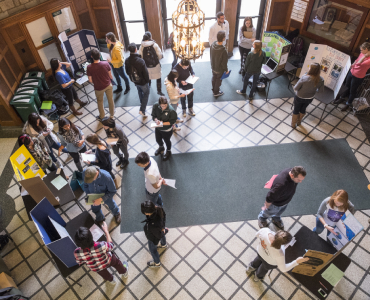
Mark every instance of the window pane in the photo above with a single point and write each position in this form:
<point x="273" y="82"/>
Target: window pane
<point x="207" y="25"/>
<point x="171" y="6"/>
<point x="135" y="32"/>
<point x="132" y="9"/>
<point x="250" y="8"/>
<point x="64" y="20"/>
<point x="208" y="7"/>
<point x="47" y="53"/>
<point x="254" y="22"/>
<point x="169" y="27"/>
<point x="39" y="31"/>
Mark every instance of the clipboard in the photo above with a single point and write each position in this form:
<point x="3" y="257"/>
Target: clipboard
<point x="248" y="34"/>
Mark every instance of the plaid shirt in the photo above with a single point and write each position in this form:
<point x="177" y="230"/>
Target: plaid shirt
<point x="97" y="259"/>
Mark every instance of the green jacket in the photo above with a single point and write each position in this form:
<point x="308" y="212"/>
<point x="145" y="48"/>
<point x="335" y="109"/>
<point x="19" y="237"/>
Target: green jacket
<point x="167" y="115"/>
<point x="254" y="62"/>
<point x="219" y="58"/>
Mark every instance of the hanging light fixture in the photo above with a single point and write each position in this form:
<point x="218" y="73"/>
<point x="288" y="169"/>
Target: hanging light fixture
<point x="188" y="24"/>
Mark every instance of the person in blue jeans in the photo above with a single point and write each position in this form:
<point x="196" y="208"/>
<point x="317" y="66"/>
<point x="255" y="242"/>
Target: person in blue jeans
<point x="332" y="210"/>
<point x="279" y="196"/>
<point x="155" y="230"/>
<point x="97" y="181"/>
<point x="138" y="73"/>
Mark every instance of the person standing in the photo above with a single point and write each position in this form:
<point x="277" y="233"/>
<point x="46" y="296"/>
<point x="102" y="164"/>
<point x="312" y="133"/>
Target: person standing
<point x="163" y="113"/>
<point x="97" y="181"/>
<point x="221" y="24"/>
<point x="115" y="130"/>
<point x="356" y="76"/>
<point x="271" y="254"/>
<point x="151" y="53"/>
<point x="185" y="70"/>
<point x="252" y="67"/>
<point x="332" y="210"/>
<point x="305" y="90"/>
<point x="60" y="73"/>
<point x="155" y="230"/>
<point x="100" y="74"/>
<point x="219" y="60"/>
<point x="116" y="50"/>
<point x="153" y="178"/>
<point x="138" y="73"/>
<point x="245" y="44"/>
<point x="170" y="44"/>
<point x="279" y="196"/>
<point x="72" y="138"/>
<point x="98" y="256"/>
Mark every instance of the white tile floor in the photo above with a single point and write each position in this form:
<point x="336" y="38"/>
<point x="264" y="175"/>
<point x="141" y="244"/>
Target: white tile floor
<point x="202" y="262"/>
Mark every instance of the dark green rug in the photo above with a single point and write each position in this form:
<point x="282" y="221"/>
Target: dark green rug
<point x="203" y="93"/>
<point x="228" y="185"/>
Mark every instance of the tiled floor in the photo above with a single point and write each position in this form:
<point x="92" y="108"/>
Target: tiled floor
<point x="202" y="262"/>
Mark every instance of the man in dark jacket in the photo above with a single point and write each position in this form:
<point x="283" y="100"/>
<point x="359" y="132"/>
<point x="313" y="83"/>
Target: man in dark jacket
<point x="155" y="230"/>
<point x="219" y="60"/>
<point x="138" y="73"/>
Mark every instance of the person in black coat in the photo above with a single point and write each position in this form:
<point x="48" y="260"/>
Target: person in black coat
<point x="155" y="230"/>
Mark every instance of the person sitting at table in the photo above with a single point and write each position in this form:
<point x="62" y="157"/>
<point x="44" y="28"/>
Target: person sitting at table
<point x="331" y="210"/>
<point x="271" y="253"/>
<point x="252" y="67"/>
<point x="60" y="73"/>
<point x="305" y="90"/>
<point x="72" y="138"/>
<point x="38" y="151"/>
<point x="98" y="256"/>
<point x="40" y="127"/>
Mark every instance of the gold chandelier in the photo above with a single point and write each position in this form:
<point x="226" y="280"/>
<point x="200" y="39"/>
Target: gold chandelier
<point x="188" y="24"/>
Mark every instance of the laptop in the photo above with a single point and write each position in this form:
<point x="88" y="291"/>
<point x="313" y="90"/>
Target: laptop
<point x="269" y="67"/>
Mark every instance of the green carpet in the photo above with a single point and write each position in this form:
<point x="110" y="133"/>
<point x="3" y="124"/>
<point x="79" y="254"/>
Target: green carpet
<point x="227" y="185"/>
<point x="203" y="93"/>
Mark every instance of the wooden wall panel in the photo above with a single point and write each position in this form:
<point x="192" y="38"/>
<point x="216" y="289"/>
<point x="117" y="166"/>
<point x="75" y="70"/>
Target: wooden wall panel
<point x="295" y="24"/>
<point x="85" y="20"/>
<point x="13" y="64"/>
<point x="4" y="88"/>
<point x="154" y="15"/>
<point x="2" y="43"/>
<point x="25" y="53"/>
<point x="80" y="5"/>
<point x="230" y="13"/>
<point x="104" y="22"/>
<point x="100" y="3"/>
<point x="4" y="115"/>
<point x="14" y="32"/>
<point x="7" y="72"/>
<point x="279" y="19"/>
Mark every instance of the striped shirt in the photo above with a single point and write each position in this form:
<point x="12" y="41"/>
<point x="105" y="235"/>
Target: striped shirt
<point x="97" y="259"/>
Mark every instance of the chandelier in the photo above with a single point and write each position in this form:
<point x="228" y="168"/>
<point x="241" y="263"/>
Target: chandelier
<point x="188" y="24"/>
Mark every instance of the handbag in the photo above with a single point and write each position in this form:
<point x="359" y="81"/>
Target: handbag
<point x="49" y="140"/>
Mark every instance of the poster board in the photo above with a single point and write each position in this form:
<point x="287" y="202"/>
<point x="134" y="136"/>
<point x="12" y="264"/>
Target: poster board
<point x="334" y="65"/>
<point x="317" y="260"/>
<point x="276" y="47"/>
<point x="38" y="190"/>
<point x="77" y="47"/>
<point x="64" y="20"/>
<point x="24" y="165"/>
<point x="51" y="228"/>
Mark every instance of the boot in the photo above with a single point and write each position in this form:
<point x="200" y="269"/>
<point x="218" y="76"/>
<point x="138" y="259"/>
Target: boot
<point x="119" y="162"/>
<point x="159" y="151"/>
<point x="126" y="90"/>
<point x="300" y="118"/>
<point x="118" y="89"/>
<point x="167" y="155"/>
<point x="74" y="111"/>
<point x="294" y="120"/>
<point x="125" y="162"/>
<point x="82" y="103"/>
<point x="79" y="167"/>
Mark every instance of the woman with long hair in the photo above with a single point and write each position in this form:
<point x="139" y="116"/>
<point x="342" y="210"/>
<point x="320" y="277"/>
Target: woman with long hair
<point x="271" y="253"/>
<point x="72" y="138"/>
<point x="41" y="128"/>
<point x="245" y="44"/>
<point x="61" y="75"/>
<point x="305" y="90"/>
<point x="331" y="210"/>
<point x="117" y="60"/>
<point x="252" y="67"/>
<point x="38" y="151"/>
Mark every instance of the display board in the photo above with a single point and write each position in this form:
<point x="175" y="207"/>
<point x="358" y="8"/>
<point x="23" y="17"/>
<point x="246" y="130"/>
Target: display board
<point x="334" y="65"/>
<point x="77" y="47"/>
<point x="276" y="47"/>
<point x="38" y="190"/>
<point x="24" y="165"/>
<point x="317" y="260"/>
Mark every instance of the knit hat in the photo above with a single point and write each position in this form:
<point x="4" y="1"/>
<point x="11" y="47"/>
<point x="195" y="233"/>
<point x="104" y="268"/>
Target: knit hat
<point x="90" y="173"/>
<point x="108" y="121"/>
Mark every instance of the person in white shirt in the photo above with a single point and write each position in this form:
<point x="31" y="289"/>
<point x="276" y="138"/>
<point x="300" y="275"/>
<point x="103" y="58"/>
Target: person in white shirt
<point x="221" y="24"/>
<point x="271" y="253"/>
<point x="153" y="179"/>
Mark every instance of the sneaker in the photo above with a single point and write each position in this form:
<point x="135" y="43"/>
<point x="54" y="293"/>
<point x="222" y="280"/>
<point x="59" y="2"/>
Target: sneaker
<point x="262" y="224"/>
<point x="250" y="269"/>
<point x="118" y="218"/>
<point x="98" y="118"/>
<point x="240" y="92"/>
<point x="220" y="93"/>
<point x="278" y="224"/>
<point x="191" y="112"/>
<point x="113" y="282"/>
<point x="126" y="91"/>
<point x="250" y="98"/>
<point x="184" y="113"/>
<point x="345" y="108"/>
<point x="162" y="246"/>
<point x="143" y="114"/>
<point x="118" y="90"/>
<point x="179" y="120"/>
<point x="152" y="264"/>
<point x="256" y="279"/>
<point x="160" y="93"/>
<point x="125" y="264"/>
<point x="167" y="155"/>
<point x="124" y="163"/>
<point x="119" y="162"/>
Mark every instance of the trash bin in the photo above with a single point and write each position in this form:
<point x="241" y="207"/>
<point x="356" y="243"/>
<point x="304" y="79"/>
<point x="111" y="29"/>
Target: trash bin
<point x="24" y="105"/>
<point x="37" y="75"/>
<point x="29" y="91"/>
<point x="34" y="83"/>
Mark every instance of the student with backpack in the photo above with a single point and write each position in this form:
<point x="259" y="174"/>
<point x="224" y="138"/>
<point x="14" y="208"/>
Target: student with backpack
<point x="151" y="53"/>
<point x="139" y="75"/>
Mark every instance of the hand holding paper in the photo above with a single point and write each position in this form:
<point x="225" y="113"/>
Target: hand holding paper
<point x="170" y="182"/>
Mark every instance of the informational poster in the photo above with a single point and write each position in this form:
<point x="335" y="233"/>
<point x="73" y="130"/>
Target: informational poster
<point x="317" y="260"/>
<point x="24" y="165"/>
<point x="334" y="65"/>
<point x="64" y="20"/>
<point x="276" y="47"/>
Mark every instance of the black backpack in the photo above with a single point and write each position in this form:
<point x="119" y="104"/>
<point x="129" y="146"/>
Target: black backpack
<point x="56" y="96"/>
<point x="134" y="75"/>
<point x="150" y="57"/>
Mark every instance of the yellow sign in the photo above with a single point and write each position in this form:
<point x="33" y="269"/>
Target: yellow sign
<point x="24" y="165"/>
